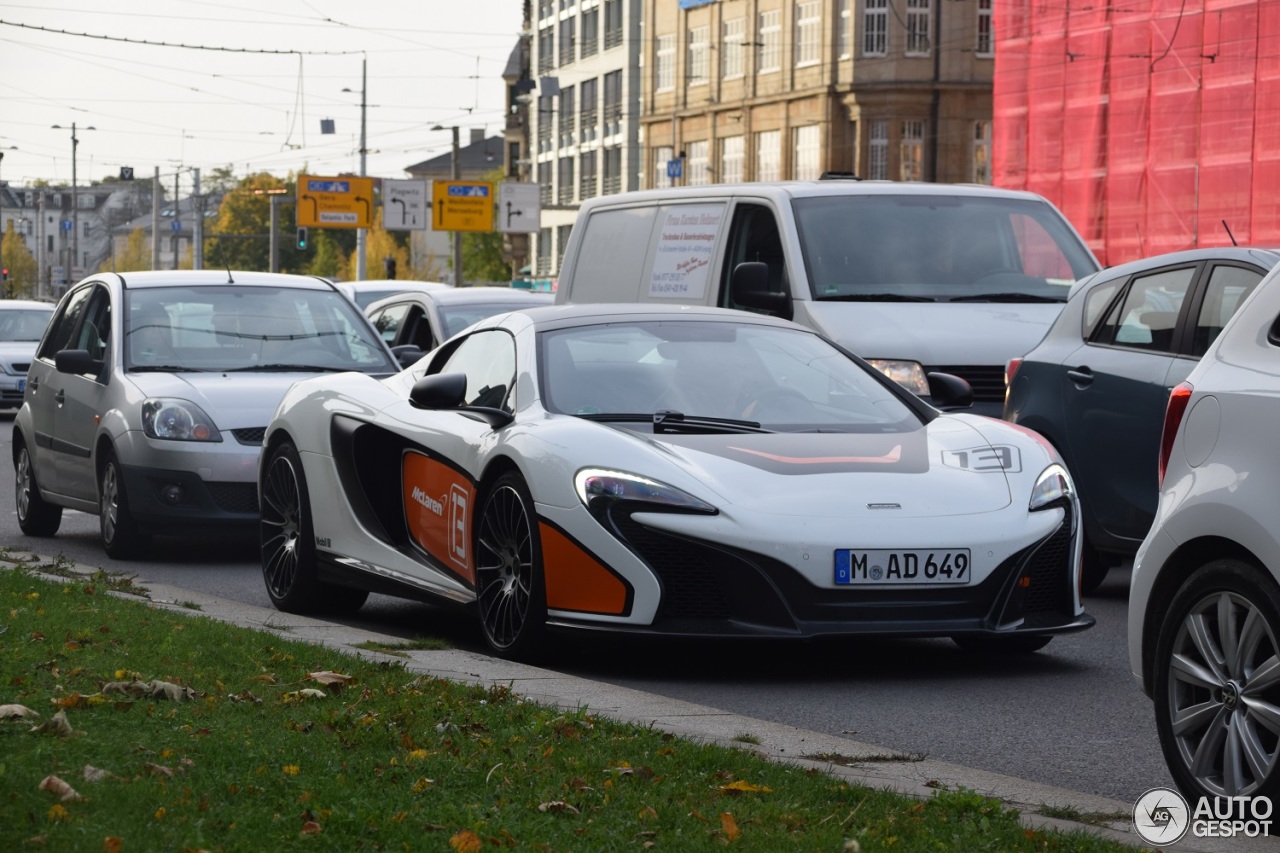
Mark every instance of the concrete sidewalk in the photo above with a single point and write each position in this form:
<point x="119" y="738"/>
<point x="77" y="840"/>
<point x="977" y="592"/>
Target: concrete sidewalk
<point x="859" y="763"/>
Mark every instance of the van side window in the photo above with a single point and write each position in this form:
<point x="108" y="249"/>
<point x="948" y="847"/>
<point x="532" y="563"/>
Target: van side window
<point x="753" y="236"/>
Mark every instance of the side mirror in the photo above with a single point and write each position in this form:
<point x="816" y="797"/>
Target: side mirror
<point x="407" y="354"/>
<point x="446" y="391"/>
<point x="77" y="361"/>
<point x="749" y="287"/>
<point x="950" y="392"/>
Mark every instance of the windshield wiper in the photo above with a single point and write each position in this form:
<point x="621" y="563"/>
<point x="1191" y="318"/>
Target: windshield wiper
<point x="288" y="368"/>
<point x="1009" y="297"/>
<point x="164" y="368"/>
<point x="669" y="421"/>
<point x="875" y="297"/>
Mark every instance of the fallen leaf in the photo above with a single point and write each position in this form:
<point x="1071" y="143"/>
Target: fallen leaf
<point x="14" y="712"/>
<point x="112" y="844"/>
<point x="330" y="679"/>
<point x="306" y="693"/>
<point x="96" y="774"/>
<point x="466" y="841"/>
<point x="648" y="813"/>
<point x="170" y="691"/>
<point x="158" y="770"/>
<point x="64" y="792"/>
<point x="557" y="807"/>
<point x="57" y="725"/>
<point x="266" y="678"/>
<point x="743" y="787"/>
<point x="730" y="826"/>
<point x="311" y="828"/>
<point x="75" y="700"/>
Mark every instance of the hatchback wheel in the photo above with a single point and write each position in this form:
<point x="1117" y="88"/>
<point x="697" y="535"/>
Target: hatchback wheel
<point x="120" y="535"/>
<point x="288" y="545"/>
<point x="510" y="590"/>
<point x="1217" y="683"/>
<point x="36" y="516"/>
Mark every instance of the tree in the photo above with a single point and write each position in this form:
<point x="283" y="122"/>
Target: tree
<point x="221" y="179"/>
<point x="136" y="255"/>
<point x="379" y="244"/>
<point x="240" y="237"/>
<point x="328" y="261"/>
<point x="23" y="280"/>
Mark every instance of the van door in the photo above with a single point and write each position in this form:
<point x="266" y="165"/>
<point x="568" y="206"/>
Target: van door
<point x="754" y="235"/>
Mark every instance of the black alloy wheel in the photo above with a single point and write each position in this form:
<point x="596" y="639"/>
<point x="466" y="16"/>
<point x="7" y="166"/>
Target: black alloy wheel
<point x="510" y="590"/>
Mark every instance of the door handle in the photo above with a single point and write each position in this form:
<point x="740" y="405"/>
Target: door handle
<point x="1080" y="375"/>
<point x="34" y="383"/>
<point x="60" y="397"/>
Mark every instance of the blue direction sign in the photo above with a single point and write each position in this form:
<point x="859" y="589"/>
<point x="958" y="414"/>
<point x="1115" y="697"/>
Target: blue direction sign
<point x="675" y="168"/>
<point x="326" y="185"/>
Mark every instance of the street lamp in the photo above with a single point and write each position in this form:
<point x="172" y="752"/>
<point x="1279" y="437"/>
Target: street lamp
<point x="457" y="235"/>
<point x="75" y="198"/>
<point x="361" y="233"/>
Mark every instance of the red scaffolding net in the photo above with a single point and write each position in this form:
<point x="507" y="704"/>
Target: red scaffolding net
<point x="1153" y="124"/>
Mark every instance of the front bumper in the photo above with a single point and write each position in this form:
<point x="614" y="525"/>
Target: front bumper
<point x="10" y="393"/>
<point x="163" y="501"/>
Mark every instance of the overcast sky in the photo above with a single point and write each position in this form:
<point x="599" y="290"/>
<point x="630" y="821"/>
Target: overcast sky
<point x="429" y="62"/>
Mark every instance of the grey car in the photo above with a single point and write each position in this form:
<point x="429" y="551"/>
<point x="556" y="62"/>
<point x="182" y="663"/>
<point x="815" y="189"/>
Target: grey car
<point x="150" y="392"/>
<point x="22" y="323"/>
<point x="1097" y="384"/>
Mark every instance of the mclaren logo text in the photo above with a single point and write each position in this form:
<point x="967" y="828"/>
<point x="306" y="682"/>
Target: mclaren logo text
<point x="427" y="501"/>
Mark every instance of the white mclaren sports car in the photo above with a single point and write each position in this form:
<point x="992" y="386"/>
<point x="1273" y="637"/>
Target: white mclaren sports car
<point x="679" y="471"/>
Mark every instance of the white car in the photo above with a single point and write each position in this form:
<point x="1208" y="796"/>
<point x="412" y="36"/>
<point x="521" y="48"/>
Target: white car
<point x="1204" y="607"/>
<point x="150" y="392"/>
<point x="675" y="470"/>
<point x="22" y="323"/>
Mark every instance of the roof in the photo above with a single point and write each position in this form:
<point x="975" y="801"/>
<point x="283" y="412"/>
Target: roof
<point x="474" y="160"/>
<point x="25" y="305"/>
<point x="562" y="316"/>
<point x="1267" y="257"/>
<point x="212" y="277"/>
<point x="184" y="214"/>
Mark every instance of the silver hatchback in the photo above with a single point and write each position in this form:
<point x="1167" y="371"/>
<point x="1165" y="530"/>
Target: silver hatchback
<point x="150" y="392"/>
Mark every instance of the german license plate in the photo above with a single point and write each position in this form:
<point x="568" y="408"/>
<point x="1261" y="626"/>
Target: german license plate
<point x="929" y="567"/>
<point x="22" y="385"/>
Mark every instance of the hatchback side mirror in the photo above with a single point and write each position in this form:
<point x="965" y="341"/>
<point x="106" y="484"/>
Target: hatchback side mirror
<point x="77" y="361"/>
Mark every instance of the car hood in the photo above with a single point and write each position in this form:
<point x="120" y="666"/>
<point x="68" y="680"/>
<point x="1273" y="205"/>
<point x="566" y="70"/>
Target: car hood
<point x="233" y="400"/>
<point x="18" y="350"/>
<point x="944" y="468"/>
<point x="958" y="333"/>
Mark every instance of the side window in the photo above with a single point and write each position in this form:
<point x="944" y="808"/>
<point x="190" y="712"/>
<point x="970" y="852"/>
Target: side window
<point x="1228" y="287"/>
<point x="417" y="330"/>
<point x="95" y="331"/>
<point x="488" y="360"/>
<point x="1096" y="302"/>
<point x="1147" y="317"/>
<point x="753" y="236"/>
<point x="64" y="325"/>
<point x="387" y="320"/>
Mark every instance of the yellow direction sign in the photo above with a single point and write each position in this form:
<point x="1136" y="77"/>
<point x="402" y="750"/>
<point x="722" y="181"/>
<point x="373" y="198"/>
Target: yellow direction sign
<point x="461" y="206"/>
<point x="335" y="202"/>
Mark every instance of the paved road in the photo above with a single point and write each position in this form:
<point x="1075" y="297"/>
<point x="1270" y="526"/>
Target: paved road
<point x="1069" y="716"/>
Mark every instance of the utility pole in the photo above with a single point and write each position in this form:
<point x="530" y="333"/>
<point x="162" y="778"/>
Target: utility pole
<point x="362" y="234"/>
<point x="155" y="220"/>
<point x="197" y="229"/>
<point x="457" y="235"/>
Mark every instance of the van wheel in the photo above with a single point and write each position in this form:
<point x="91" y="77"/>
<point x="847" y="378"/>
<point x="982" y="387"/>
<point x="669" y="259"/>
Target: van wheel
<point x="36" y="516"/>
<point x="120" y="535"/>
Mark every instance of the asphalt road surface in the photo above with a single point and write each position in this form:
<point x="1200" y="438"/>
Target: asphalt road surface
<point x="1069" y="716"/>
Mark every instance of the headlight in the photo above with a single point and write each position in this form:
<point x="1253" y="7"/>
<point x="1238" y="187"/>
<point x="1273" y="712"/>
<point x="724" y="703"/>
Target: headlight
<point x="597" y="485"/>
<point x="908" y="374"/>
<point x="1052" y="488"/>
<point x="177" y="420"/>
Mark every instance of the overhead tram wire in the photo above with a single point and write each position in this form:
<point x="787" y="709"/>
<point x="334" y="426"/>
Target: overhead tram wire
<point x="176" y="44"/>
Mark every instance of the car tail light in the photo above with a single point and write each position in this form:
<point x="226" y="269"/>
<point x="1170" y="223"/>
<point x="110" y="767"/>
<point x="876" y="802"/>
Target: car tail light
<point x="1178" y="399"/>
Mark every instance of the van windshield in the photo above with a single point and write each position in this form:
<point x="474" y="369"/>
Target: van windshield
<point x="938" y="249"/>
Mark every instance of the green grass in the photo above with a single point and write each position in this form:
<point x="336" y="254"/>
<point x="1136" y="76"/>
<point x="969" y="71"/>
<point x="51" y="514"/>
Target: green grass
<point x="398" y="649"/>
<point x="387" y="760"/>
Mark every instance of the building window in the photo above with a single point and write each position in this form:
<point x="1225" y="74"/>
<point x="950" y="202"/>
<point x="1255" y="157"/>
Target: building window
<point x="542" y="267"/>
<point x="911" y="167"/>
<point x="564" y="183"/>
<point x="769" y="56"/>
<point x="544" y="182"/>
<point x="844" y="29"/>
<point x="808" y="32"/>
<point x="612" y="23"/>
<point x="589" y="115"/>
<point x="731" y="154"/>
<point x="587" y="176"/>
<point x="612" y="170"/>
<point x="546" y="8"/>
<point x="769" y="155"/>
<point x="699" y="56"/>
<point x="875" y="28"/>
<point x="568" y="115"/>
<point x="562" y="242"/>
<point x="698" y="172"/>
<point x="808" y="164"/>
<point x="546" y="122"/>
<point x="982" y="152"/>
<point x="590" y="31"/>
<point x="664" y="64"/>
<point x="661" y="156"/>
<point x="918" y="43"/>
<point x="612" y="103"/>
<point x="513" y="159"/>
<point x="985" y="45"/>
<point x="731" y="48"/>
<point x="546" y="49"/>
<point x="568" y="40"/>
<point x="878" y="151"/>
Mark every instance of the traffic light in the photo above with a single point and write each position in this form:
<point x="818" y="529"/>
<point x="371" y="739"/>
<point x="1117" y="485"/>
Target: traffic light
<point x="389" y="265"/>
<point x="302" y="237"/>
<point x="4" y="274"/>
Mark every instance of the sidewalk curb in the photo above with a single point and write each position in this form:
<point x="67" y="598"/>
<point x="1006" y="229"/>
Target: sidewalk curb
<point x="858" y="763"/>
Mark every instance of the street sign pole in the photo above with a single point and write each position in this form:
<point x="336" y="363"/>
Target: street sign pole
<point x="457" y="235"/>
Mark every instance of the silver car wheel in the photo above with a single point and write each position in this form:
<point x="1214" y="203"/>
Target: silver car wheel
<point x="281" y="525"/>
<point x="26" y="482"/>
<point x="110" y="503"/>
<point x="1224" y="663"/>
<point x="504" y="567"/>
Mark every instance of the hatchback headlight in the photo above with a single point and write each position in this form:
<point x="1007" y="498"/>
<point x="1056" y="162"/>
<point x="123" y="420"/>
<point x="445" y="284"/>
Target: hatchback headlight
<point x="1053" y="488"/>
<point x="598" y="486"/>
<point x="177" y="420"/>
<point x="908" y="374"/>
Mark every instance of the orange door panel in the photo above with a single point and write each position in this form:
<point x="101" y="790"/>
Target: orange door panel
<point x="438" y="506"/>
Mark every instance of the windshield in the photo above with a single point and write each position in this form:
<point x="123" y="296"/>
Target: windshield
<point x="23" y="325"/>
<point x="783" y="379"/>
<point x="227" y="327"/>
<point x="938" y="249"/>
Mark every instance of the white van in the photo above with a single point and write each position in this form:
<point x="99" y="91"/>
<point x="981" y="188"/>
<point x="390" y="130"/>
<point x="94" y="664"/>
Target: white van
<point x="916" y="278"/>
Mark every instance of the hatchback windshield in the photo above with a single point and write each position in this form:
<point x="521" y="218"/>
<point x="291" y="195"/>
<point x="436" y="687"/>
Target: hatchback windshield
<point x="782" y="378"/>
<point x="938" y="249"/>
<point x="248" y="328"/>
<point x="22" y="324"/>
